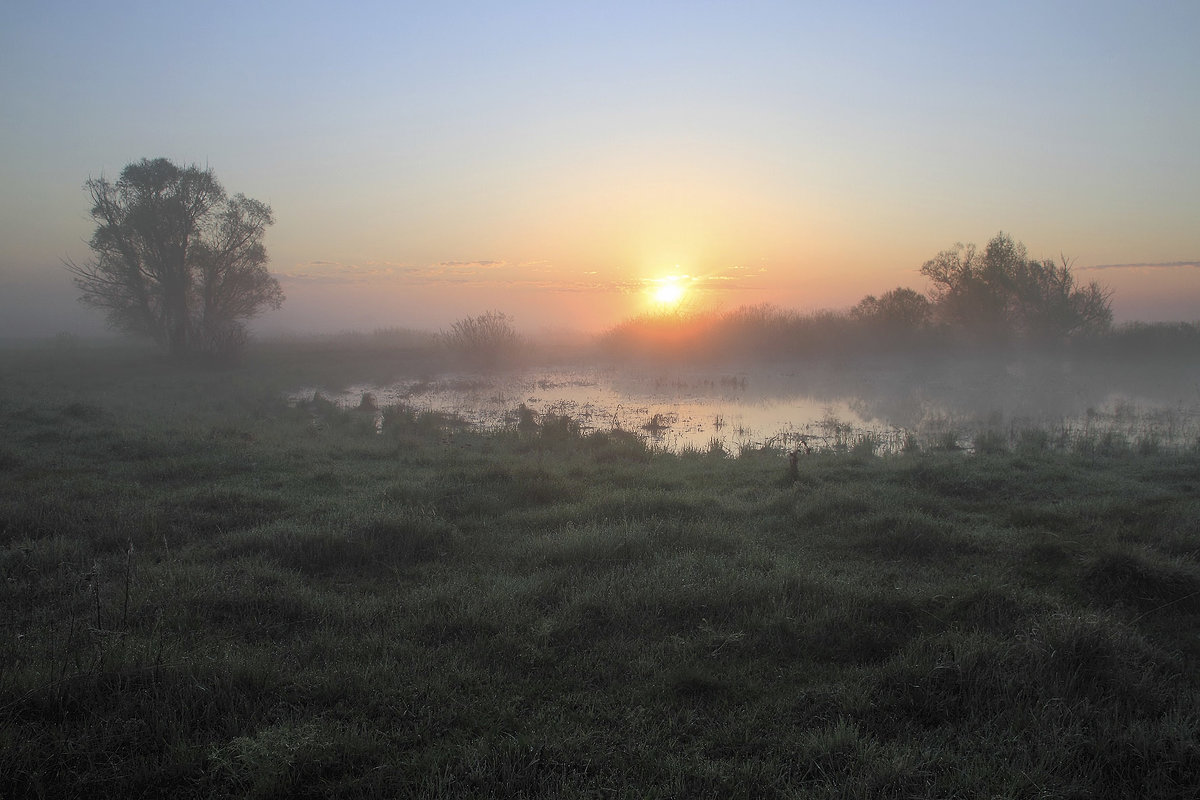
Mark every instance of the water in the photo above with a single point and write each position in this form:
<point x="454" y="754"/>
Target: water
<point x="824" y="406"/>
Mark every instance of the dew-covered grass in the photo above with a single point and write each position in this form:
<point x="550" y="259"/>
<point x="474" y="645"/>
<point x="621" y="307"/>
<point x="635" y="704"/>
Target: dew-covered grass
<point x="210" y="591"/>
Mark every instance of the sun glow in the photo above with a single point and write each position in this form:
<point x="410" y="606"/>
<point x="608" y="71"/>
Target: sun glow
<point x="668" y="291"/>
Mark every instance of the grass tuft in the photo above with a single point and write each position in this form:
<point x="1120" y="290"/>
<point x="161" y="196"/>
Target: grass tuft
<point x="1141" y="581"/>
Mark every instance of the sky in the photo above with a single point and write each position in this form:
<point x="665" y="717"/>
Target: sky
<point x="558" y="161"/>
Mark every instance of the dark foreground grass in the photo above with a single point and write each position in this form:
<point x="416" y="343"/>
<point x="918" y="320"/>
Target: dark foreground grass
<point x="210" y="593"/>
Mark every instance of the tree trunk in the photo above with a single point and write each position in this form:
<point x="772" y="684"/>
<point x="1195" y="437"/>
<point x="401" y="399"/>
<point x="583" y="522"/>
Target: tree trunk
<point x="177" y="318"/>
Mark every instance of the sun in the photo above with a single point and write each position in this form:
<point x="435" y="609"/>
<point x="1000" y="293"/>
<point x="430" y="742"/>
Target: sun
<point x="669" y="294"/>
<point x="668" y="291"/>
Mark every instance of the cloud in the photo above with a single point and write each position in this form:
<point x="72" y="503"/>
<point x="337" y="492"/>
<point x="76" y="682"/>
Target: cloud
<point x="471" y="264"/>
<point x="1156" y="265"/>
<point x="481" y="272"/>
<point x="732" y="277"/>
<point x="497" y="273"/>
<point x="333" y="272"/>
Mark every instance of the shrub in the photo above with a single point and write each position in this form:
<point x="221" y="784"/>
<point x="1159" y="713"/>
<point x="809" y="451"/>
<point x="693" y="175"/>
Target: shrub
<point x="1033" y="440"/>
<point x="866" y="446"/>
<point x="485" y="340"/>
<point x="559" y="429"/>
<point x="991" y="442"/>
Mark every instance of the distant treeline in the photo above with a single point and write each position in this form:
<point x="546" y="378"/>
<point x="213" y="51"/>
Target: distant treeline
<point x="749" y="333"/>
<point x="768" y="332"/>
<point x="997" y="299"/>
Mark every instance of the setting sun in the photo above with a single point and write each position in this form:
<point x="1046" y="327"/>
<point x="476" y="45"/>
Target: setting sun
<point x="668" y="291"/>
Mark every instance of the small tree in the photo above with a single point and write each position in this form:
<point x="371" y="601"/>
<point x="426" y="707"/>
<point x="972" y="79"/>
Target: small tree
<point x="177" y="260"/>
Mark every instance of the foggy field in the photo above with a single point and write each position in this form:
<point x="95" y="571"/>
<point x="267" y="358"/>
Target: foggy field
<point x="209" y="590"/>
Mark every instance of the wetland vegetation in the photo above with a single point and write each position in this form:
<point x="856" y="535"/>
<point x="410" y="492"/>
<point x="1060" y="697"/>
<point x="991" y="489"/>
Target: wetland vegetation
<point x="212" y="590"/>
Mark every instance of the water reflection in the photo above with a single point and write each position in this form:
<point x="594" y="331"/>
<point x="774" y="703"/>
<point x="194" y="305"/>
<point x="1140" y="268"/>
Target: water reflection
<point x="887" y="405"/>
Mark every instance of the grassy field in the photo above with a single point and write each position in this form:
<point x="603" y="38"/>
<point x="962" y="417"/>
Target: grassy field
<point x="208" y="592"/>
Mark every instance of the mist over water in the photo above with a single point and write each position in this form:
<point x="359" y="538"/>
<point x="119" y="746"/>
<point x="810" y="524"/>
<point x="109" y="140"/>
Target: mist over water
<point x="890" y="403"/>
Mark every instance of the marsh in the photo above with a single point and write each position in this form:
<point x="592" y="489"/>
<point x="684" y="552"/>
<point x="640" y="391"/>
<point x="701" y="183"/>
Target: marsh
<point x="822" y="404"/>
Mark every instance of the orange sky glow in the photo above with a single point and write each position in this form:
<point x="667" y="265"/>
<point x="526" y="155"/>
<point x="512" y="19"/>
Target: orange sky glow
<point x="559" y="162"/>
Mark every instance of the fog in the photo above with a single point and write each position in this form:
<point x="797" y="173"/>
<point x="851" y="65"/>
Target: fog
<point x="898" y="402"/>
<point x="42" y="303"/>
<point x="754" y="375"/>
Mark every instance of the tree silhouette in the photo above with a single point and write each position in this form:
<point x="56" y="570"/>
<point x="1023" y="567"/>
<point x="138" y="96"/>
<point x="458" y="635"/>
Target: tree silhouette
<point x="1001" y="293"/>
<point x="176" y="259"/>
<point x="897" y="316"/>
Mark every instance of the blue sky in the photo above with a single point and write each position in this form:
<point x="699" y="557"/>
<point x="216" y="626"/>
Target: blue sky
<point x="427" y="161"/>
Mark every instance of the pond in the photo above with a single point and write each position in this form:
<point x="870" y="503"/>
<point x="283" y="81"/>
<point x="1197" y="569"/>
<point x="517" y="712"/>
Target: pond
<point x="884" y="406"/>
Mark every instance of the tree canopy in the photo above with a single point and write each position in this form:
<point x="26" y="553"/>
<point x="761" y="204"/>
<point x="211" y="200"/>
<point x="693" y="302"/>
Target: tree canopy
<point x="1002" y="293"/>
<point x="897" y="315"/>
<point x="176" y="259"/>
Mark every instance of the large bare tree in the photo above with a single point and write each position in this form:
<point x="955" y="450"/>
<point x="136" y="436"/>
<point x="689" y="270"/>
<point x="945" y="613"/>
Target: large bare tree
<point x="176" y="259"/>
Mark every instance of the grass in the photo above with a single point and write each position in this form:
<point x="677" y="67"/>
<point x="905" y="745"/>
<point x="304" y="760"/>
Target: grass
<point x="209" y="592"/>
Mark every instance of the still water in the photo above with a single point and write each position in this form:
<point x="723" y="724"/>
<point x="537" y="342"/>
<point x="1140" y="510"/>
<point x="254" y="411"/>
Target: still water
<point x="826" y="406"/>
